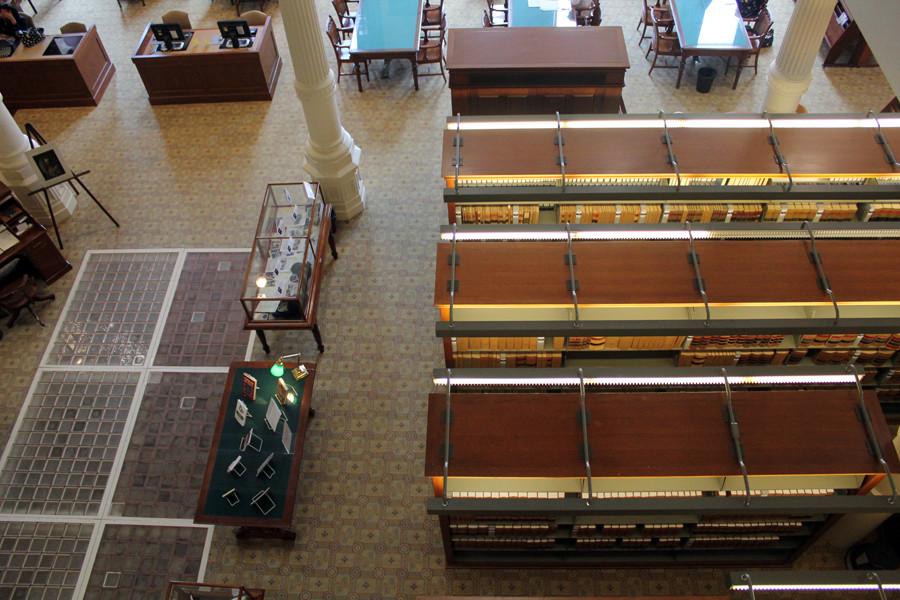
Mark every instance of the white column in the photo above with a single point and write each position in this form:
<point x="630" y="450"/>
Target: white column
<point x="19" y="175"/>
<point x="791" y="73"/>
<point x="332" y="158"/>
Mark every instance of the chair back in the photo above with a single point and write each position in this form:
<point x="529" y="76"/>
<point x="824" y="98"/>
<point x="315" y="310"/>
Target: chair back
<point x="431" y="15"/>
<point x="763" y="23"/>
<point x="341" y="8"/>
<point x="663" y="41"/>
<point x="254" y="18"/>
<point x="334" y="36"/>
<point x="73" y="27"/>
<point x="177" y="17"/>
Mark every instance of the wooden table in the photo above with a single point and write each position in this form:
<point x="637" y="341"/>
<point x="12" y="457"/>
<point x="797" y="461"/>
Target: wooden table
<point x="205" y="73"/>
<point x="548" y="13"/>
<point x="710" y="28"/>
<point x="211" y="507"/>
<point x="537" y="70"/>
<point x="387" y="29"/>
<point x="31" y="79"/>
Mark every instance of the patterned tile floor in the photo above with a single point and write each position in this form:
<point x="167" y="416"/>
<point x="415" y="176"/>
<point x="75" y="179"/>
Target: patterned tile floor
<point x="164" y="172"/>
<point x="132" y="561"/>
<point x="111" y="322"/>
<point x="167" y="454"/>
<point x="205" y="326"/>
<point x="41" y="560"/>
<point x="62" y="455"/>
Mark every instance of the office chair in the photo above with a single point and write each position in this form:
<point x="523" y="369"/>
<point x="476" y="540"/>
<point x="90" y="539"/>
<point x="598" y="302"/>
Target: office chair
<point x="254" y="18"/>
<point x="177" y="17"/>
<point x="20" y="290"/>
<point x="73" y="27"/>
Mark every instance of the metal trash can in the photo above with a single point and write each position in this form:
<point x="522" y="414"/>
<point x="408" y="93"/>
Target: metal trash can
<point x="705" y="77"/>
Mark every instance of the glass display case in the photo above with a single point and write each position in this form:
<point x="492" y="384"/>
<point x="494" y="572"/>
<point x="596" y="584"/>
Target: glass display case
<point x="282" y="280"/>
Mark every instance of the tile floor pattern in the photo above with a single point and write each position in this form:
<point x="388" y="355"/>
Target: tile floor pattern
<point x="136" y="562"/>
<point x="41" y="561"/>
<point x="62" y="455"/>
<point x="362" y="531"/>
<point x="112" y="319"/>
<point x="167" y="453"/>
<point x="205" y="326"/>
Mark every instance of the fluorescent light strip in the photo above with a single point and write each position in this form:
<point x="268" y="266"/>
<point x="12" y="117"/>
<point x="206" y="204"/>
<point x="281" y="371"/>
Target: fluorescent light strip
<point x="527" y="234"/>
<point x="800" y="587"/>
<point x="677" y="123"/>
<point x="637" y="381"/>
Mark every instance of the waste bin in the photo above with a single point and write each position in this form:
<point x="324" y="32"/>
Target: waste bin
<point x="705" y="77"/>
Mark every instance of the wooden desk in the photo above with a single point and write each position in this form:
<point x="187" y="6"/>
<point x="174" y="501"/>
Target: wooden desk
<point x="34" y="244"/>
<point x="28" y="79"/>
<point x="205" y="73"/>
<point x="537" y="70"/>
<point x="211" y="507"/>
<point x="710" y="28"/>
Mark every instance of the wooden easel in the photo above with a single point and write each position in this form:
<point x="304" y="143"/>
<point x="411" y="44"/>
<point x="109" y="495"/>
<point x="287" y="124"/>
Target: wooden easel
<point x="34" y="136"/>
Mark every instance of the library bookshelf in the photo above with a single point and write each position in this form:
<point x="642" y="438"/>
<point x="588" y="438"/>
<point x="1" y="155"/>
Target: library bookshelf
<point x="671" y="168"/>
<point x="599" y="467"/>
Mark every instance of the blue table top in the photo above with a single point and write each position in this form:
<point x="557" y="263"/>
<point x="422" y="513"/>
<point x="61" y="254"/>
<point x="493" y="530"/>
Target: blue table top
<point x="386" y="25"/>
<point x="710" y="24"/>
<point x="541" y="13"/>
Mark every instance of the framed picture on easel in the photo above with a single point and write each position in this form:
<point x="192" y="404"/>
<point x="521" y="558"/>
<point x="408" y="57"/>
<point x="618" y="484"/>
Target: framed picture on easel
<point x="49" y="165"/>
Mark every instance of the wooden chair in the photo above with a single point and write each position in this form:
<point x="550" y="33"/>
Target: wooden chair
<point x="431" y="51"/>
<point x="664" y="42"/>
<point x="342" y="53"/>
<point x="254" y="18"/>
<point x="760" y="29"/>
<point x="177" y="17"/>
<point x="589" y="17"/>
<point x="431" y="16"/>
<point x="486" y="20"/>
<point x="238" y="3"/>
<point x="346" y="17"/>
<point x="20" y="291"/>
<point x="73" y="27"/>
<point x="647" y="18"/>
<point x="120" y="4"/>
<point x="499" y="12"/>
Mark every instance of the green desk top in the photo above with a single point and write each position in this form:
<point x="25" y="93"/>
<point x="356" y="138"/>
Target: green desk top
<point x="710" y="24"/>
<point x="212" y="508"/>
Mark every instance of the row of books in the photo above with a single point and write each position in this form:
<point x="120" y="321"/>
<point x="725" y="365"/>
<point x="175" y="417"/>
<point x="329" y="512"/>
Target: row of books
<point x="680" y="213"/>
<point x="703" y="341"/>
<point x="644" y="342"/>
<point x="840" y="357"/>
<point x="715" y="359"/>
<point x="504" y="360"/>
<point x="885" y="340"/>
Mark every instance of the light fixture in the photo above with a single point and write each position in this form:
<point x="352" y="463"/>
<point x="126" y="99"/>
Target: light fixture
<point x="299" y="372"/>
<point x="800" y="581"/>
<point x="609" y="377"/>
<point x="261" y="281"/>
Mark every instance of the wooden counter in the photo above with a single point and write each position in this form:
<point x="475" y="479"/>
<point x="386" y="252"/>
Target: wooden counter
<point x="28" y="79"/>
<point x="536" y="70"/>
<point x="205" y="73"/>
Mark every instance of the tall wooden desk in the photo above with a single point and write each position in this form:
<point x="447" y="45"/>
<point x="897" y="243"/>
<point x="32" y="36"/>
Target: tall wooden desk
<point x="30" y="78"/>
<point x="537" y="70"/>
<point x="23" y="237"/>
<point x="205" y="73"/>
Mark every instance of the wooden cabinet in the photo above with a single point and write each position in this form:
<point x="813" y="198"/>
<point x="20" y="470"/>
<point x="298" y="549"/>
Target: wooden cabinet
<point x="26" y="238"/>
<point x="845" y="42"/>
<point x="537" y="70"/>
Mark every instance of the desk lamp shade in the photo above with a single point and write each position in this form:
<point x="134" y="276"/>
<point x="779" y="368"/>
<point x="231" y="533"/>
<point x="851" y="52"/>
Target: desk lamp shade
<point x="277" y="369"/>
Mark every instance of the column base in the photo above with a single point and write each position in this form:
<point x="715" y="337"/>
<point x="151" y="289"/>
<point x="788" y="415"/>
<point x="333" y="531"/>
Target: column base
<point x="340" y="180"/>
<point x="783" y="95"/>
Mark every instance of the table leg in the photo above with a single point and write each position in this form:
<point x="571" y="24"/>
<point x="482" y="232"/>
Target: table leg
<point x="334" y="252"/>
<point x="680" y="71"/>
<point x="318" y="336"/>
<point x="740" y="62"/>
<point x="415" y="70"/>
<point x="261" y="336"/>
<point x="386" y="69"/>
<point x="358" y="77"/>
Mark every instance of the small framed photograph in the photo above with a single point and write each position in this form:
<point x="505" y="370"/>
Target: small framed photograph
<point x="49" y="165"/>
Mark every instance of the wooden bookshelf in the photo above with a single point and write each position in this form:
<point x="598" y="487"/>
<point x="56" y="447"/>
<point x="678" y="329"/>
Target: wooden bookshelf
<point x="845" y="42"/>
<point x="668" y="173"/>
<point x="665" y="483"/>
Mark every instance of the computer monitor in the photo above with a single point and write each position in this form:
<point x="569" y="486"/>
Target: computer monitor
<point x="236" y="34"/>
<point x="170" y="35"/>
